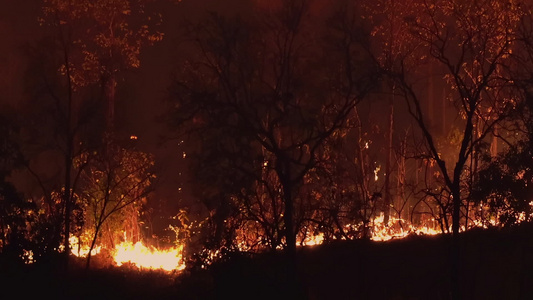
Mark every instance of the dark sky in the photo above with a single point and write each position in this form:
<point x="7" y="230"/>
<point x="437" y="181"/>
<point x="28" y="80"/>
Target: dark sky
<point x="18" y="26"/>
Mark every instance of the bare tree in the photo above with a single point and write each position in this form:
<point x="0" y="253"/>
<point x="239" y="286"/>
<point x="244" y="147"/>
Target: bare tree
<point x="470" y="41"/>
<point x="96" y="40"/>
<point x="116" y="179"/>
<point x="268" y="82"/>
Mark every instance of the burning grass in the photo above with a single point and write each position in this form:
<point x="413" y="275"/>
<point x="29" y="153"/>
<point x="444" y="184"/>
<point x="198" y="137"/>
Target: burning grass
<point x="145" y="257"/>
<point x="136" y="255"/>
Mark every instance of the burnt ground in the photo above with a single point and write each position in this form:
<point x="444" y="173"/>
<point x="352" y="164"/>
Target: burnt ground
<point x="494" y="264"/>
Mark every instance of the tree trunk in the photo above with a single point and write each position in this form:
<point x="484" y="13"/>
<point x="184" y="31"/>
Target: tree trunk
<point x="67" y="200"/>
<point x="290" y="236"/>
<point x="69" y="138"/>
<point x="400" y="195"/>
<point x="387" y="202"/>
<point x="494" y="143"/>
<point x="2" y="232"/>
<point x="93" y="243"/>
<point x="110" y="98"/>
<point x="455" y="252"/>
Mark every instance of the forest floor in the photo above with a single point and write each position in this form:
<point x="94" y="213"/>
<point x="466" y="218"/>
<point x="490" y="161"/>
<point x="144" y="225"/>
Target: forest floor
<point x="494" y="264"/>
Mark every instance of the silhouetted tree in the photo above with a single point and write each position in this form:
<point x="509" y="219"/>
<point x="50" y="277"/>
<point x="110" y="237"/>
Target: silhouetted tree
<point x="116" y="179"/>
<point x="502" y="192"/>
<point x="470" y="41"/>
<point x="268" y="88"/>
<point x="15" y="212"/>
<point x="95" y="40"/>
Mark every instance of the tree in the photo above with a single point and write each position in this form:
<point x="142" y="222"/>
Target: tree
<point x="393" y="38"/>
<point x="15" y="212"/>
<point x="106" y="38"/>
<point x="252" y="85"/>
<point x="470" y="41"/>
<point x="96" y="40"/>
<point x="116" y="179"/>
<point x="501" y="190"/>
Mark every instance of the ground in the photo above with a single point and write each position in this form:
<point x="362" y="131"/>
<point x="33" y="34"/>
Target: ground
<point x="494" y="264"/>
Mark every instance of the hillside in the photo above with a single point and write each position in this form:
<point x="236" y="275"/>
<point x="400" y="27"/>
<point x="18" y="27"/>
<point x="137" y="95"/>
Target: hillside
<point x="495" y="264"/>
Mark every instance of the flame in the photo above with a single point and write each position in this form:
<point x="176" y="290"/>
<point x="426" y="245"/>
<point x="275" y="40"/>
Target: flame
<point x="138" y="254"/>
<point x="27" y="256"/>
<point x="314" y="240"/>
<point x="397" y="228"/>
<point x="149" y="257"/>
<point x="172" y="260"/>
<point x="376" y="172"/>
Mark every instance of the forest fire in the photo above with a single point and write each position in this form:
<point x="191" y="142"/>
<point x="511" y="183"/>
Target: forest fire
<point x="281" y="128"/>
<point x="146" y="257"/>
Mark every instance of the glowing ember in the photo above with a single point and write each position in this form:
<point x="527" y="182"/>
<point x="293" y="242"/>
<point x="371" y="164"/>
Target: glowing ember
<point x="27" y="256"/>
<point x="149" y="257"/>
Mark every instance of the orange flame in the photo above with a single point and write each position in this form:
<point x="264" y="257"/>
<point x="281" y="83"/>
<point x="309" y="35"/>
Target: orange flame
<point x="138" y="254"/>
<point x="394" y="230"/>
<point x="149" y="257"/>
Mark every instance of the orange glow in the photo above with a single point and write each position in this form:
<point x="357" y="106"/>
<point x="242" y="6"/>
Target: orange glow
<point x="397" y="228"/>
<point x="171" y="259"/>
<point x="27" y="256"/>
<point x="82" y="250"/>
<point x="314" y="240"/>
<point x="149" y="257"/>
<point x="138" y="254"/>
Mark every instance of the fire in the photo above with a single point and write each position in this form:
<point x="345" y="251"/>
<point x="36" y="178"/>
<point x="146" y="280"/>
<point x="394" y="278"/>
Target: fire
<point x="138" y="254"/>
<point x="314" y="240"/>
<point x="397" y="228"/>
<point x="27" y="256"/>
<point x="171" y="259"/>
<point x="149" y="257"/>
